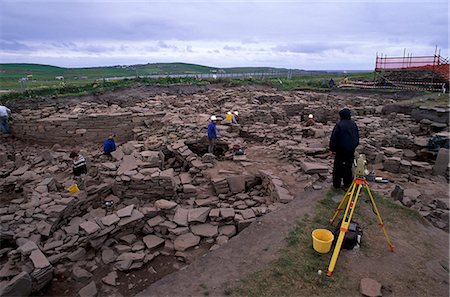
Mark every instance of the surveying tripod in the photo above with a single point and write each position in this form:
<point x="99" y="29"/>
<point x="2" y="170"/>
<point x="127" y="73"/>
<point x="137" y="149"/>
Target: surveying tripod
<point x="350" y="199"/>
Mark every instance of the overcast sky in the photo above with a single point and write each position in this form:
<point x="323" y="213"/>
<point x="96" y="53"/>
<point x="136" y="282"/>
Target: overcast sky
<point x="323" y="35"/>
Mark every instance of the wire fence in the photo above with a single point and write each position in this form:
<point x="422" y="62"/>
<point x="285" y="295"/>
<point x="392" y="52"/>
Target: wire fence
<point x="267" y="74"/>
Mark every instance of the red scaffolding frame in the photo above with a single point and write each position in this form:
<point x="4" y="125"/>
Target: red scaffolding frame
<point x="398" y="63"/>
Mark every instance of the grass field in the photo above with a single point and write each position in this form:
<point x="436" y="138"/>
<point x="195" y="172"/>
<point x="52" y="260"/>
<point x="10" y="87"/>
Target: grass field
<point x="82" y="81"/>
<point x="45" y="75"/>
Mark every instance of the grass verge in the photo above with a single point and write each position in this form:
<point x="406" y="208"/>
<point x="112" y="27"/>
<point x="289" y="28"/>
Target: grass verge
<point x="295" y="273"/>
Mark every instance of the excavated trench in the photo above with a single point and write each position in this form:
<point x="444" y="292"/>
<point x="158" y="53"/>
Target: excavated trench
<point x="200" y="147"/>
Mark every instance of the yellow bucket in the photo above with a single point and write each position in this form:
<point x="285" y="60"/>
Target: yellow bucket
<point x="73" y="188"/>
<point x="322" y="240"/>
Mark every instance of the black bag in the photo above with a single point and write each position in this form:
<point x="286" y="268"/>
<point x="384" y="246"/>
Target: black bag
<point x="352" y="238"/>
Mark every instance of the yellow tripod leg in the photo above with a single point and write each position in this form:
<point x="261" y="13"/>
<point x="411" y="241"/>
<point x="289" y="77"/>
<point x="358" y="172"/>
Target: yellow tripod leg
<point x="342" y="203"/>
<point x="391" y="246"/>
<point x="351" y="205"/>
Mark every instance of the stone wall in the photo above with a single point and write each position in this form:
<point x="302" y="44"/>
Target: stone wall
<point x="73" y="129"/>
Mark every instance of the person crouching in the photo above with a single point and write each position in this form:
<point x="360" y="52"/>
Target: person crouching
<point x="79" y="168"/>
<point x="109" y="146"/>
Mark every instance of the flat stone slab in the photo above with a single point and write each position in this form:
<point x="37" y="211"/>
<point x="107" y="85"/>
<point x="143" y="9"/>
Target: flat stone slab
<point x="88" y="291"/>
<point x="117" y="154"/>
<point x="131" y="256"/>
<point x="110" y="279"/>
<point x="185" y="241"/>
<point x="247" y="214"/>
<point x="236" y="183"/>
<point x="39" y="260"/>
<point x="153" y="222"/>
<point x="153" y="241"/>
<point x="128" y="163"/>
<point x="126" y="211"/>
<point x="370" y="287"/>
<point x="80" y="274"/>
<point x="52" y="245"/>
<point x="44" y="228"/>
<point x="135" y="215"/>
<point x="89" y="227"/>
<point x="205" y="230"/>
<point x="27" y="247"/>
<point x="110" y="220"/>
<point x="109" y="166"/>
<point x="198" y="214"/>
<point x="108" y="256"/>
<point x="123" y="265"/>
<point x="181" y="216"/>
<point x="312" y="168"/>
<point x="165" y="204"/>
<point x="227" y="213"/>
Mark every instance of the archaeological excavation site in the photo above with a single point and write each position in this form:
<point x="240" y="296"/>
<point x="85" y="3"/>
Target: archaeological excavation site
<point x="161" y="202"/>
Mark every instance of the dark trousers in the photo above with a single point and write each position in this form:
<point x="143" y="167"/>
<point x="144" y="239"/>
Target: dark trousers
<point x="212" y="144"/>
<point x="342" y="170"/>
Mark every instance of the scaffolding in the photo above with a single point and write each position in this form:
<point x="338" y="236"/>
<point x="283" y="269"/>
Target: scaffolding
<point x="424" y="73"/>
<point x="429" y="73"/>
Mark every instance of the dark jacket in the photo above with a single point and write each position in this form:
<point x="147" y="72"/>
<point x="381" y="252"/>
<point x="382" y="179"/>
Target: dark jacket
<point x="345" y="136"/>
<point x="109" y="146"/>
<point x="212" y="130"/>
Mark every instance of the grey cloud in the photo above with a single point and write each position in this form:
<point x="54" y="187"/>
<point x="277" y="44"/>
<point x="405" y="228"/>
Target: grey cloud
<point x="268" y="29"/>
<point x="232" y="48"/>
<point x="82" y="21"/>
<point x="162" y="44"/>
<point x="6" y="45"/>
<point x="315" y="47"/>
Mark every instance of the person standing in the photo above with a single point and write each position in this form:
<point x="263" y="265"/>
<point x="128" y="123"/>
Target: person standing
<point x="109" y="146"/>
<point x="343" y="142"/>
<point x="212" y="134"/>
<point x="5" y="113"/>
<point x="331" y="83"/>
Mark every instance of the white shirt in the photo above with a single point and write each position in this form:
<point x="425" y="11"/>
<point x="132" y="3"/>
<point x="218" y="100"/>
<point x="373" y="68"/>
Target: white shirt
<point x="4" y="111"/>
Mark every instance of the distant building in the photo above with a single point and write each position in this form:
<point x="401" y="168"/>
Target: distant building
<point x="59" y="77"/>
<point x="22" y="79"/>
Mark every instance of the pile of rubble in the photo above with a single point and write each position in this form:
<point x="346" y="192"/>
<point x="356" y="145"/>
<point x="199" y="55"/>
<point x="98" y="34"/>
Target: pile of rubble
<point x="158" y="196"/>
<point x="55" y="231"/>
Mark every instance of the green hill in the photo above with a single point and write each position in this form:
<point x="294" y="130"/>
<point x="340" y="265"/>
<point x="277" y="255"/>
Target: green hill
<point x="45" y="75"/>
